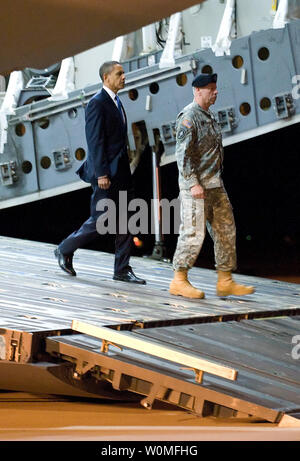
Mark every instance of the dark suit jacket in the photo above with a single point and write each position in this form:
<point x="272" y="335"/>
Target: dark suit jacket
<point x="106" y="135"/>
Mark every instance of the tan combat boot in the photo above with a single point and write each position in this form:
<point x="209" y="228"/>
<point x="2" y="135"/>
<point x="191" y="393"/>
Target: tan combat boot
<point x="182" y="287"/>
<point x="226" y="286"/>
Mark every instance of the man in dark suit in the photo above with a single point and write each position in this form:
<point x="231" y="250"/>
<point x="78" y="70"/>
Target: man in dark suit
<point x="107" y="170"/>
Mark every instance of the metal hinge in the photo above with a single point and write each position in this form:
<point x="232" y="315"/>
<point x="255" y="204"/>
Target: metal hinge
<point x="62" y="159"/>
<point x="168" y="132"/>
<point x="8" y="174"/>
<point x="226" y="119"/>
<point x="284" y="105"/>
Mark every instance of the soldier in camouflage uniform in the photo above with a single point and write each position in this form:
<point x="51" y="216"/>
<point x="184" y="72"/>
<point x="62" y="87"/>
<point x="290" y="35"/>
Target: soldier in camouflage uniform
<point x="204" y="201"/>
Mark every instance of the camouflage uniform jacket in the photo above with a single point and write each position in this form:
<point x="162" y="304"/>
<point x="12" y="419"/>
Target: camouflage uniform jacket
<point x="199" y="150"/>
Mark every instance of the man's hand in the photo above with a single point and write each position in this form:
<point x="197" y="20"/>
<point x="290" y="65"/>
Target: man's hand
<point x="104" y="182"/>
<point x="197" y="191"/>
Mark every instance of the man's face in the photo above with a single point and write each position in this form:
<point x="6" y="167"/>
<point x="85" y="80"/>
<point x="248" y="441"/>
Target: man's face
<point x="208" y="94"/>
<point x="115" y="80"/>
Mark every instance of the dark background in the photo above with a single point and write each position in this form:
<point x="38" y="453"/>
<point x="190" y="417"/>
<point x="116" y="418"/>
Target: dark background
<point x="261" y="176"/>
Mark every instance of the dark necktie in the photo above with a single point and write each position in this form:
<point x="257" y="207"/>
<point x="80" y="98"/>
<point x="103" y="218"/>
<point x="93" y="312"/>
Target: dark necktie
<point x="120" y="107"/>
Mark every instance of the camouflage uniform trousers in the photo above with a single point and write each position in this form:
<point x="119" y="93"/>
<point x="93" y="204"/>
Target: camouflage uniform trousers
<point x="215" y="213"/>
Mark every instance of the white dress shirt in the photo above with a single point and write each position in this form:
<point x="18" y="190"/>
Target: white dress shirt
<point x="113" y="97"/>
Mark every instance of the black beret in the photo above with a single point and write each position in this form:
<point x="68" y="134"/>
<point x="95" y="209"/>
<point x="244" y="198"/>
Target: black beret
<point x="204" y="79"/>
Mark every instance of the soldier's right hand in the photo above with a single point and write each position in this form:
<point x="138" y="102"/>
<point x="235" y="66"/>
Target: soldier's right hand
<point x="197" y="191"/>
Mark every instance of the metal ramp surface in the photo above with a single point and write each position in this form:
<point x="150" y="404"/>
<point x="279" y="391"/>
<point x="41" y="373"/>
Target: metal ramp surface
<point x="43" y="350"/>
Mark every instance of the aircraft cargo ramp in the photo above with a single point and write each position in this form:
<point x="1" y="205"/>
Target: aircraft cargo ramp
<point x="90" y="336"/>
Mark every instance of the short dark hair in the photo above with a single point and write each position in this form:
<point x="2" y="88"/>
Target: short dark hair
<point x="106" y="68"/>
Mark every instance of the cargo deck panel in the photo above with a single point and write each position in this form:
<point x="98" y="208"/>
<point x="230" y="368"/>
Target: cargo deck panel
<point x="253" y="335"/>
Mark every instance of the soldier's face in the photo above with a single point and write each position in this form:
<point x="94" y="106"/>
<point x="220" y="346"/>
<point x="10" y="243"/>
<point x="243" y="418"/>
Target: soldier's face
<point x="207" y="95"/>
<point x="115" y="80"/>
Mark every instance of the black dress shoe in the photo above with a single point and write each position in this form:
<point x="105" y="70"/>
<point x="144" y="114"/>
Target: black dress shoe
<point x="128" y="276"/>
<point x="65" y="262"/>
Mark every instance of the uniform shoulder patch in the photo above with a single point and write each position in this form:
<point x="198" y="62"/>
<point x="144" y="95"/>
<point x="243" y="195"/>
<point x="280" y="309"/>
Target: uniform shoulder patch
<point x="187" y="123"/>
<point x="181" y="133"/>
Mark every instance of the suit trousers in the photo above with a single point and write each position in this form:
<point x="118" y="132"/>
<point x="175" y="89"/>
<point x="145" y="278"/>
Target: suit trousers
<point x="88" y="232"/>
